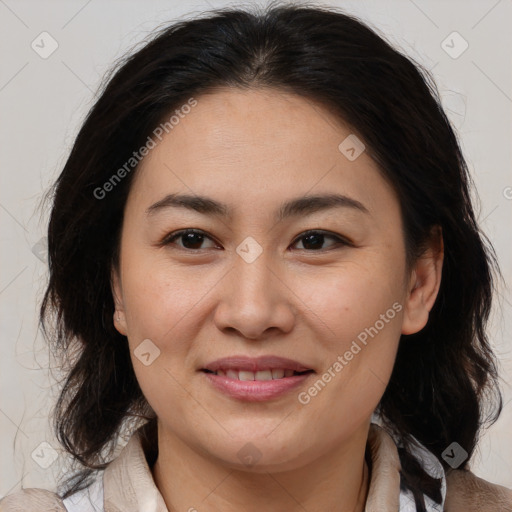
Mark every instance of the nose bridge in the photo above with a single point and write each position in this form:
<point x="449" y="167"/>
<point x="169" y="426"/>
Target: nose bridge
<point x="252" y="267"/>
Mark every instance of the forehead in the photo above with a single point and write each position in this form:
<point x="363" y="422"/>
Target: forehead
<point x="257" y="146"/>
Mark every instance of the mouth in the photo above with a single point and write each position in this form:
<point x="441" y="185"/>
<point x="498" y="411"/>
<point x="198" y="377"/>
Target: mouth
<point x="255" y="379"/>
<point x="261" y="375"/>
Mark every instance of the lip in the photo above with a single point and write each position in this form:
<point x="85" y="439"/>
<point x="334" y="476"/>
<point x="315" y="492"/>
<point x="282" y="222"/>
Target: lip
<point x="255" y="390"/>
<point x="254" y="364"/>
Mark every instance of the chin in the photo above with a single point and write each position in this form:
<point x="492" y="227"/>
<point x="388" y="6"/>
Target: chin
<point x="259" y="453"/>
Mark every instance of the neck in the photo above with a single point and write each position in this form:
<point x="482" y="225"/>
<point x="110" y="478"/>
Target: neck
<point x="336" y="481"/>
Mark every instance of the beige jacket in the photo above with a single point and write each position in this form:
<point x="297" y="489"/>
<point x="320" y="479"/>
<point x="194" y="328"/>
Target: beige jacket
<point x="128" y="486"/>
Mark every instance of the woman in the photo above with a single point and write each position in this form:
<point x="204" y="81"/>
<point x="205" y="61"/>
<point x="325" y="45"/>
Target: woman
<point x="259" y="369"/>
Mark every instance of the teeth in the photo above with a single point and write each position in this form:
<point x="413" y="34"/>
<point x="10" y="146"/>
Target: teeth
<point x="261" y="375"/>
<point x="277" y="374"/>
<point x="243" y="375"/>
<point x="232" y="374"/>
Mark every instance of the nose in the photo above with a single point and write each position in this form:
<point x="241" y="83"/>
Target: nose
<point x="255" y="300"/>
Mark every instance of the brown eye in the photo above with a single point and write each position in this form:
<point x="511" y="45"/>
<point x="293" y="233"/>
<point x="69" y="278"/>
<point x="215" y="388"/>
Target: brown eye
<point x="313" y="240"/>
<point x="191" y="239"/>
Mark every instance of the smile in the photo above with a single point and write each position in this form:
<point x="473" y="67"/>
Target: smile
<point x="262" y="375"/>
<point x="255" y="379"/>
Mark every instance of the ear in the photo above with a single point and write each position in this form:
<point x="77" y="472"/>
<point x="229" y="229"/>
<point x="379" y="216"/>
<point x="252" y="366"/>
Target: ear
<point x="117" y="294"/>
<point x="424" y="284"/>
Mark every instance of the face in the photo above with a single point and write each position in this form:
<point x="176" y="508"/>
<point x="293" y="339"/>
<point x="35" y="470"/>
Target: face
<point x="313" y="296"/>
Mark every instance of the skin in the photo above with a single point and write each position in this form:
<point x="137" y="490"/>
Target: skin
<point x="252" y="150"/>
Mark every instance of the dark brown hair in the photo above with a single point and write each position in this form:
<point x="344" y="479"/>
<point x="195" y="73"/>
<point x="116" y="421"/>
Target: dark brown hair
<point x="443" y="375"/>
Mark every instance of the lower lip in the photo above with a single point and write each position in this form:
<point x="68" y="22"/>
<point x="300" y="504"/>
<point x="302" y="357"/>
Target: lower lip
<point x="255" y="390"/>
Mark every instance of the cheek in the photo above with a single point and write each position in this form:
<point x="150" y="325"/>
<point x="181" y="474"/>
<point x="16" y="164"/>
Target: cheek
<point x="357" y="314"/>
<point x="159" y="296"/>
<point x="345" y="302"/>
<point x="159" y="308"/>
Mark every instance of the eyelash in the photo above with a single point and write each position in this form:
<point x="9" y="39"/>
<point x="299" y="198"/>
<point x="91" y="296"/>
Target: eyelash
<point x="169" y="239"/>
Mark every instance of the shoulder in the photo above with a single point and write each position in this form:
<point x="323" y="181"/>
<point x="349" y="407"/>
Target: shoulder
<point x="32" y="499"/>
<point x="465" y="492"/>
<point x="89" y="499"/>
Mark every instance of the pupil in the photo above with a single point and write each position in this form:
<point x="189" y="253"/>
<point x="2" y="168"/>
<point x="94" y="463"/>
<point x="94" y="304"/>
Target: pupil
<point x="189" y="240"/>
<point x="317" y="241"/>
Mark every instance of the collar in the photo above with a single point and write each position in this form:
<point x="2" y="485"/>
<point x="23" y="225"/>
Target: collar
<point x="128" y="484"/>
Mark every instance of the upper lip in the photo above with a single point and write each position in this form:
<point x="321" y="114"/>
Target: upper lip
<point x="254" y="364"/>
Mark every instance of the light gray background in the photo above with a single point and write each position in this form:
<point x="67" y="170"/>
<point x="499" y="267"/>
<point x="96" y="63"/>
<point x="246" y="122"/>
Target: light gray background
<point x="43" y="101"/>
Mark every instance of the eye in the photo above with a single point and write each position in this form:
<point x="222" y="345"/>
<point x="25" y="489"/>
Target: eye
<point x="191" y="239"/>
<point x="313" y="240"/>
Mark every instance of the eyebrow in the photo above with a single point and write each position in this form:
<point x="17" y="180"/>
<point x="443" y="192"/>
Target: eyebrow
<point x="305" y="205"/>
